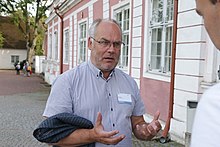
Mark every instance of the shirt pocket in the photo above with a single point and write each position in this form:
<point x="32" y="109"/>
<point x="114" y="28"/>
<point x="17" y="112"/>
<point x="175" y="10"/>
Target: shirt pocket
<point x="125" y="103"/>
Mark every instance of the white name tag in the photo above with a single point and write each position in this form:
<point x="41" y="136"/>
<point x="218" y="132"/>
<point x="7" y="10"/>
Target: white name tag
<point x="124" y="98"/>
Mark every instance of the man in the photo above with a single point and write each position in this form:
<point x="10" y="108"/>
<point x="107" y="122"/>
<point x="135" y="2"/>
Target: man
<point x="103" y="94"/>
<point x="206" y="127"/>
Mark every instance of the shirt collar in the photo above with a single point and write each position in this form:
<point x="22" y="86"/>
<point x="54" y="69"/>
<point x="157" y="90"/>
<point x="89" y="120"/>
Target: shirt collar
<point x="97" y="72"/>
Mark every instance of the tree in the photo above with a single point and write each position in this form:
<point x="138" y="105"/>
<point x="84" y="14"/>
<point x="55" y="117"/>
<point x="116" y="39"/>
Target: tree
<point x="1" y="40"/>
<point x="28" y="16"/>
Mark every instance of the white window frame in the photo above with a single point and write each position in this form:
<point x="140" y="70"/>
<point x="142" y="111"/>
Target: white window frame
<point x="66" y="46"/>
<point x="158" y="74"/>
<point x="121" y="7"/>
<point x="82" y="40"/>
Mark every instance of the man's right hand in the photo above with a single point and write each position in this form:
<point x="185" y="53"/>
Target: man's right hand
<point x="99" y="135"/>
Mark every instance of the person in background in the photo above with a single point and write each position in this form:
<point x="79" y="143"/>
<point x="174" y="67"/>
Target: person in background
<point x="24" y="68"/>
<point x="18" y="68"/>
<point x="103" y="94"/>
<point x="29" y="69"/>
<point x="206" y="127"/>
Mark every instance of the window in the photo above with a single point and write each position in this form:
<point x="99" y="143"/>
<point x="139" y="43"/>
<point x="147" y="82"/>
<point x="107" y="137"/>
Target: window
<point x="161" y="28"/>
<point x="82" y="43"/>
<point x="66" y="46"/>
<point x="14" y="58"/>
<point x="56" y="45"/>
<point x="122" y="17"/>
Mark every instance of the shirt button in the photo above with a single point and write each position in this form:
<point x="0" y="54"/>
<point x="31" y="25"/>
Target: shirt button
<point x="113" y="125"/>
<point x="109" y="94"/>
<point x="111" y="109"/>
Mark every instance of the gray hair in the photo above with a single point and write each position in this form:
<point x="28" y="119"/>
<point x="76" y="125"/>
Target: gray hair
<point x="95" y="24"/>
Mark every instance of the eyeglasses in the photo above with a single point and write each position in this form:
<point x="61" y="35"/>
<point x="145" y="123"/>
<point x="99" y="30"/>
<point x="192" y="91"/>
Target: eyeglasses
<point x="107" y="43"/>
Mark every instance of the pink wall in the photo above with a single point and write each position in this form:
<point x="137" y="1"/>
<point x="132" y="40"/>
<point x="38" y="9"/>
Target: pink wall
<point x="112" y="3"/>
<point x="155" y="95"/>
<point x="82" y="14"/>
<point x="98" y="10"/>
<point x="55" y="19"/>
<point x="65" y="67"/>
<point x="66" y="23"/>
<point x="56" y="27"/>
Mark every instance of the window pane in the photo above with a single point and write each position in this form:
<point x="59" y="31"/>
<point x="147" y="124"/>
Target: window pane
<point x="82" y="51"/>
<point x="156" y="48"/>
<point x="170" y="10"/>
<point x="156" y="41"/>
<point x="56" y="46"/>
<point x="124" y="54"/>
<point x="168" y="49"/>
<point x="66" y="45"/>
<point x="155" y="62"/>
<point x="14" y="58"/>
<point x="119" y="18"/>
<point x="50" y="46"/>
<point x="82" y="42"/>
<point x="126" y="19"/>
<point x="157" y="11"/>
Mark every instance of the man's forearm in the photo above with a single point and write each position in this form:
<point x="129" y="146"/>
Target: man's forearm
<point x="77" y="138"/>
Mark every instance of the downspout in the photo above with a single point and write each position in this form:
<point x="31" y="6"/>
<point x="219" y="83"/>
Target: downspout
<point x="165" y="137"/>
<point x="61" y="39"/>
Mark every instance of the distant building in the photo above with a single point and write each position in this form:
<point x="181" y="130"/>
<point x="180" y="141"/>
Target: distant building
<point x="14" y="48"/>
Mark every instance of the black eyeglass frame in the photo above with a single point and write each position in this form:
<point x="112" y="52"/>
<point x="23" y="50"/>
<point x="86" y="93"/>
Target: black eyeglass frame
<point x="107" y="43"/>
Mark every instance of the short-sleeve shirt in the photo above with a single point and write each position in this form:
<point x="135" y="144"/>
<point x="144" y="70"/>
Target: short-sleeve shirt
<point x="84" y="91"/>
<point x="206" y="126"/>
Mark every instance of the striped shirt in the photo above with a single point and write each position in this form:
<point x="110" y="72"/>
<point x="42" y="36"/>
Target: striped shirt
<point x="85" y="92"/>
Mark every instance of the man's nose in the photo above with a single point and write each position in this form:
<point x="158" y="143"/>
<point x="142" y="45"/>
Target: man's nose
<point x="111" y="46"/>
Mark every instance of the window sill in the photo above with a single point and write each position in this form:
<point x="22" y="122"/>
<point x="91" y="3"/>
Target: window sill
<point x="157" y="76"/>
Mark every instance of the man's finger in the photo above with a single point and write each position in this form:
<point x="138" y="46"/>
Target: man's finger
<point x="157" y="123"/>
<point x="112" y="140"/>
<point x="157" y="115"/>
<point x="151" y="130"/>
<point x="99" y="118"/>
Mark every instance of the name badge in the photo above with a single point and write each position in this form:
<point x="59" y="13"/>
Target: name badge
<point x="124" y="98"/>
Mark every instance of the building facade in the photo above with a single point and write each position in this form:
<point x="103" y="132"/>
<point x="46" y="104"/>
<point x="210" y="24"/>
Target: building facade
<point x="165" y="51"/>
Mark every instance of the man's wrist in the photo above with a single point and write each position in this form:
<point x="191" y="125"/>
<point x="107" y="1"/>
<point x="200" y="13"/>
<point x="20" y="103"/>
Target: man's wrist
<point x="91" y="135"/>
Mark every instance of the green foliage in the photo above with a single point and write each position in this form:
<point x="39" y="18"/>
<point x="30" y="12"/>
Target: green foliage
<point x="38" y="50"/>
<point x="1" y="40"/>
<point x="29" y="16"/>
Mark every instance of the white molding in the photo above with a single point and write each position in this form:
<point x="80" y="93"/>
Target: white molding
<point x="210" y="71"/>
<point x="156" y="76"/>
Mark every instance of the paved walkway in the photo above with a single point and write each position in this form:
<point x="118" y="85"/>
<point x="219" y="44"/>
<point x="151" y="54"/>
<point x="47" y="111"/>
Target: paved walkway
<point x="22" y="101"/>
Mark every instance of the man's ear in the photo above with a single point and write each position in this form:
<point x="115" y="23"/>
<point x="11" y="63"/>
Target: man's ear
<point x="90" y="43"/>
